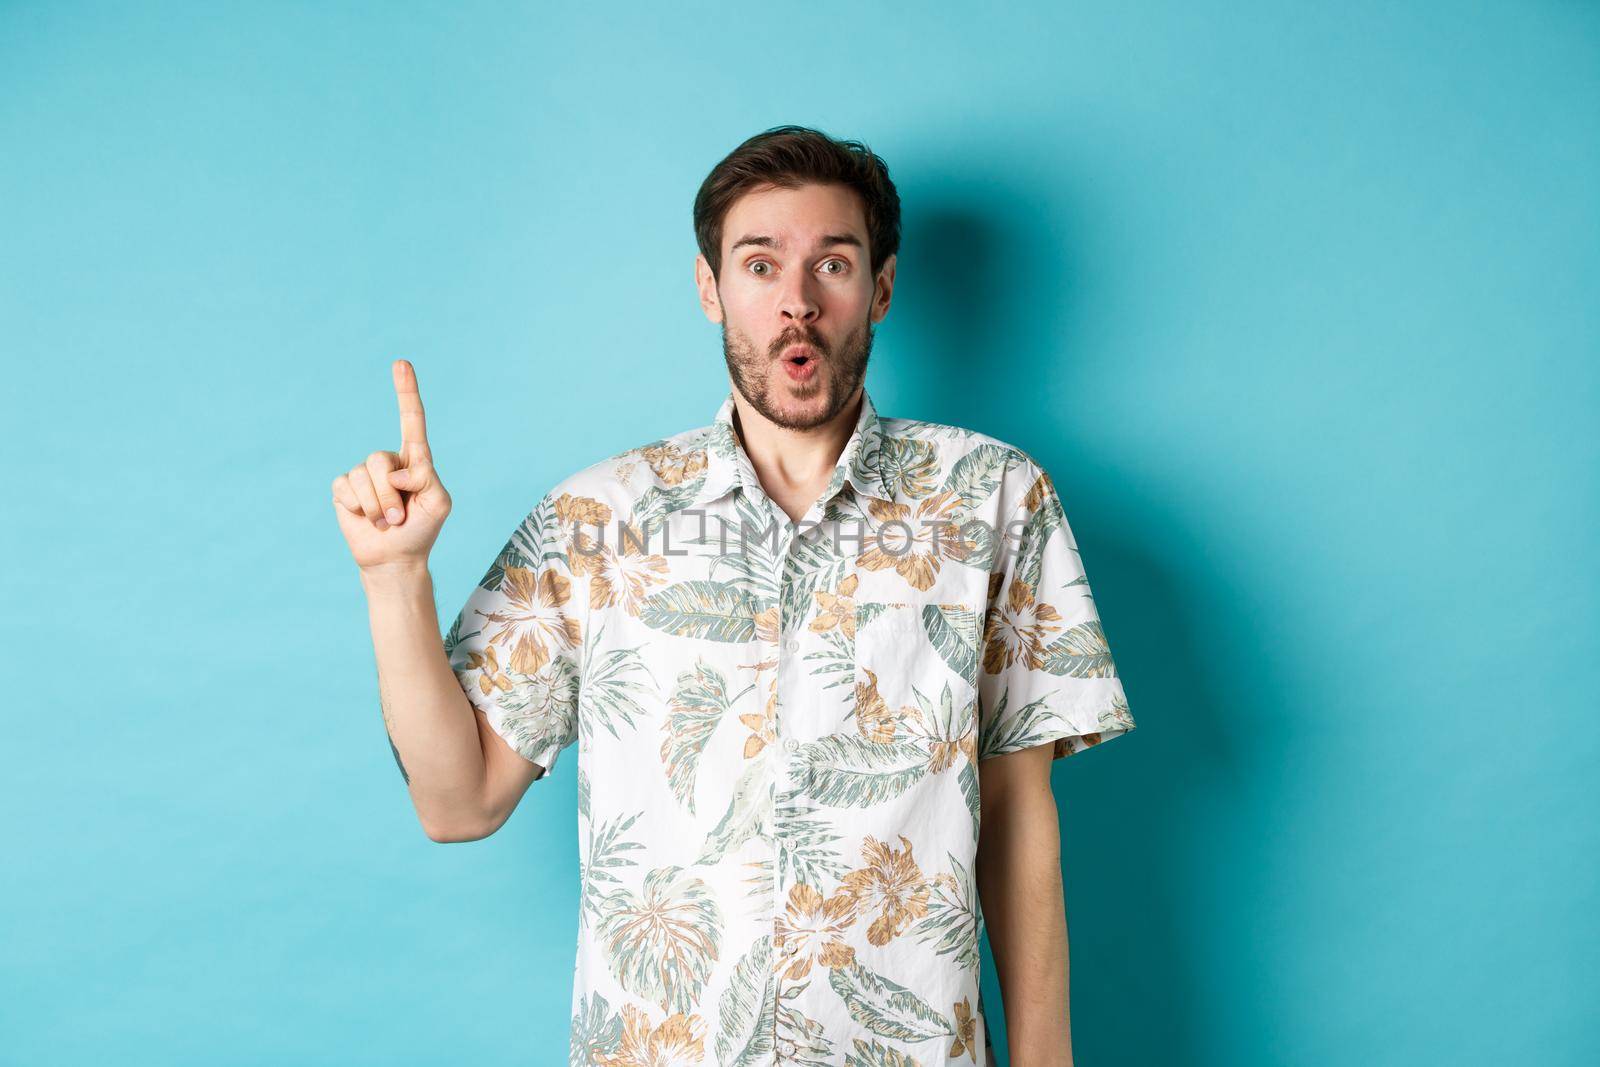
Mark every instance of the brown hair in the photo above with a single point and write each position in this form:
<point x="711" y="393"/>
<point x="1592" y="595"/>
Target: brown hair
<point x="788" y="157"/>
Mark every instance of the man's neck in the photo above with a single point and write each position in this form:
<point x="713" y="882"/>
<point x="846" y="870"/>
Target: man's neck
<point x="794" y="466"/>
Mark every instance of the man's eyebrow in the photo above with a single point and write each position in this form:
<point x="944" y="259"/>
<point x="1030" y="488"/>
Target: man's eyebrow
<point x="827" y="241"/>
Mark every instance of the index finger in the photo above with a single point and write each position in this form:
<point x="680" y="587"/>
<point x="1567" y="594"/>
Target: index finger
<point x="413" y="424"/>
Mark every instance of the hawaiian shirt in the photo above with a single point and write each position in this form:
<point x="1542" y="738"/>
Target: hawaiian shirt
<point x="780" y="729"/>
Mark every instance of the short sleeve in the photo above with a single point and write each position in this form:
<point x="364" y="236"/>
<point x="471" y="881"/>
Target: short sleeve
<point x="1047" y="674"/>
<point x="516" y="646"/>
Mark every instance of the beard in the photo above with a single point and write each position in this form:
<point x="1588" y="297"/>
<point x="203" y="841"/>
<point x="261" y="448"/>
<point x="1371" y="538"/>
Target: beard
<point x="798" y="405"/>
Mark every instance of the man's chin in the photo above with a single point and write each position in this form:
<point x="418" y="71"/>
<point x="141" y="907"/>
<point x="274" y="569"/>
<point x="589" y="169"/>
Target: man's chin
<point x="799" y="408"/>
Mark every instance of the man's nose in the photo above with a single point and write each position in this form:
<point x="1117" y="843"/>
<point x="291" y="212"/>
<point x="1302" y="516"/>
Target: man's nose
<point x="798" y="301"/>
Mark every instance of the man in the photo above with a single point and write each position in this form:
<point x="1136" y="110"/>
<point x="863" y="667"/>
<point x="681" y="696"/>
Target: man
<point x="803" y="648"/>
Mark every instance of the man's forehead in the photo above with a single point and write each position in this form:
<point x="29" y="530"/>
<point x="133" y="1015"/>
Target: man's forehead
<point x="838" y="237"/>
<point x="771" y="219"/>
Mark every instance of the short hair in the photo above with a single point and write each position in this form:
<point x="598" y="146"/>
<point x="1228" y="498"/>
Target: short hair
<point x="789" y="157"/>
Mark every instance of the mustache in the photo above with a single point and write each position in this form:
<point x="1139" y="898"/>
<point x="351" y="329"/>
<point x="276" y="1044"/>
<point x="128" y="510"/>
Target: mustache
<point x="786" y="340"/>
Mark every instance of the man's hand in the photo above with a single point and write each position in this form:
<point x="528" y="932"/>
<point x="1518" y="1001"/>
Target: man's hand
<point x="391" y="507"/>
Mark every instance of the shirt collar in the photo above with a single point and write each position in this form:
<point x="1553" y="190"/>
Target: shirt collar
<point x="728" y="465"/>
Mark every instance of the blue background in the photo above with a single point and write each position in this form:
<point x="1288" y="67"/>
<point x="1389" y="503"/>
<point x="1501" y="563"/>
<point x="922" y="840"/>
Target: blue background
<point x="1297" y="304"/>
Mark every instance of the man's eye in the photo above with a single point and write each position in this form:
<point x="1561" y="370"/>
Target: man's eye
<point x="843" y="266"/>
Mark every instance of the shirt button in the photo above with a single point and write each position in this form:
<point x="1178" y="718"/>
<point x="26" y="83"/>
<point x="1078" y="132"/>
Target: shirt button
<point x="791" y="947"/>
<point x="790" y="744"/>
<point x="792" y="645"/>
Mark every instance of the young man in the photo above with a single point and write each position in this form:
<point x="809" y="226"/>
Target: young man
<point x="803" y="648"/>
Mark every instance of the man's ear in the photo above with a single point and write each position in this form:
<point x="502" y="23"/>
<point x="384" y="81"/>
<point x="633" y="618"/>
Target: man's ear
<point x="883" y="288"/>
<point x="706" y="282"/>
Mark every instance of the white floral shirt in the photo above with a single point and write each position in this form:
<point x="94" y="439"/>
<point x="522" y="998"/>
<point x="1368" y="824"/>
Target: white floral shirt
<point x="779" y="746"/>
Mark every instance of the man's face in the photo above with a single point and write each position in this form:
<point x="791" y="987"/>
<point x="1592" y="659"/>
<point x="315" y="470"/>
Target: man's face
<point x="796" y="300"/>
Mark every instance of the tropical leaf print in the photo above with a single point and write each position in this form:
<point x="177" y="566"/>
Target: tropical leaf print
<point x="864" y="1053"/>
<point x="909" y="466"/>
<point x="706" y="610"/>
<point x="536" y="539"/>
<point x="885" y="1007"/>
<point x="950" y="926"/>
<point x="805" y="844"/>
<point x="953" y="629"/>
<point x="663" y="944"/>
<point x="760" y="884"/>
<point x="537" y="710"/>
<point x="745" y="1038"/>
<point x="699" y="701"/>
<point x="1031" y="724"/>
<point x="807" y="1037"/>
<point x="607" y="855"/>
<point x="613" y="691"/>
<point x="1081" y="652"/>
<point x="985" y="541"/>
<point x="750" y="545"/>
<point x="744" y="815"/>
<point x="850" y="771"/>
<point x="596" y="1030"/>
<point x="975" y="476"/>
<point x="967" y="779"/>
<point x="1115" y="716"/>
<point x="1045" y="517"/>
<point x="834" y="664"/>
<point x="452" y="638"/>
<point x="655" y="504"/>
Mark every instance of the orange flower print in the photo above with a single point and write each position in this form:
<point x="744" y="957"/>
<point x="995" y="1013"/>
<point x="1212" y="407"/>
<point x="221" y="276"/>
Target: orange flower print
<point x="677" y="1042"/>
<point x="1019" y="629"/>
<point x="837" y="609"/>
<point x="536" y="620"/>
<point x="917" y="549"/>
<point x="810" y="930"/>
<point x="946" y="749"/>
<point x="1043" y="488"/>
<point x="966" y="1031"/>
<point x="492" y="677"/>
<point x="874" y="718"/>
<point x="622" y="575"/>
<point x="584" y="513"/>
<point x="768" y="625"/>
<point x="582" y="521"/>
<point x="892" y="885"/>
<point x="763" y="727"/>
<point x="674" y="466"/>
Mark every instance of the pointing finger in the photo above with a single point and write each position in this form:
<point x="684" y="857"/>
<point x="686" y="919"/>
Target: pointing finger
<point x="413" y="424"/>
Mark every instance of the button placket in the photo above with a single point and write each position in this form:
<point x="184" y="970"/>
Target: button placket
<point x="784" y="649"/>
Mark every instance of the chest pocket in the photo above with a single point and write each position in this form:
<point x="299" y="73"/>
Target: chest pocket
<point x="916" y="672"/>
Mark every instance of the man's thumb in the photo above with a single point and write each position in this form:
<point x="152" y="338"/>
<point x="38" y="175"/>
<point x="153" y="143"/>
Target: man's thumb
<point x="408" y="479"/>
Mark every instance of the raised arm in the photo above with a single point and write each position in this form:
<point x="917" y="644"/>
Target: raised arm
<point x="463" y="779"/>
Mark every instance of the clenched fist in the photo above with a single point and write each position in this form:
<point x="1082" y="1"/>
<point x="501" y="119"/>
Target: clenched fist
<point x="391" y="507"/>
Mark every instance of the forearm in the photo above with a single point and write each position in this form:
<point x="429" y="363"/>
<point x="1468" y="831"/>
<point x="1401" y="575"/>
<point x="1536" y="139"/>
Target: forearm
<point x="431" y="725"/>
<point x="1019" y="882"/>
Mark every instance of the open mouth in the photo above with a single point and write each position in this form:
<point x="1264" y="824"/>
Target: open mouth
<point x="800" y="361"/>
